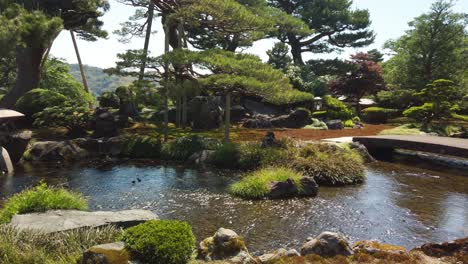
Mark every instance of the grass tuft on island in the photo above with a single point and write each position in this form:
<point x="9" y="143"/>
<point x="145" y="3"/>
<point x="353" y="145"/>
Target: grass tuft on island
<point x="40" y="199"/>
<point x="255" y="185"/>
<point x="23" y="247"/>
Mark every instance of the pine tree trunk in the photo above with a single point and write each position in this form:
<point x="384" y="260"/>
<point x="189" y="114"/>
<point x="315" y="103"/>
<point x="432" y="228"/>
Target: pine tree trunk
<point x="28" y="60"/>
<point x="166" y="88"/>
<point x="80" y="64"/>
<point x="296" y="50"/>
<point x="227" y="121"/>
<point x="184" y="111"/>
<point x="178" y="111"/>
<point x="147" y="40"/>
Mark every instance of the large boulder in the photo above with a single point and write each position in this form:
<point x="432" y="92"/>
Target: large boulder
<point x="259" y="121"/>
<point x="327" y="244"/>
<point x="225" y="245"/>
<point x="63" y="220"/>
<point x="56" y="151"/>
<point x="309" y="187"/>
<point x="206" y="112"/>
<point x="259" y="108"/>
<point x="276" y="255"/>
<point x="335" y="125"/>
<point x="363" y="152"/>
<point x="16" y="143"/>
<point x="112" y="253"/>
<point x="105" y="124"/>
<point x="297" y="119"/>
<point x="288" y="189"/>
<point x="451" y="248"/>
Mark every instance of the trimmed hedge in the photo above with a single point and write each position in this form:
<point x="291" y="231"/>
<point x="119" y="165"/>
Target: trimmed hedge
<point x="378" y="115"/>
<point x="337" y="109"/>
<point x="161" y="241"/>
<point x="37" y="100"/>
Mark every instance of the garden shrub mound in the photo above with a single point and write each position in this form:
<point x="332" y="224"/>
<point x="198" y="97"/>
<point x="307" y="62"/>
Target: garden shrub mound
<point x="330" y="165"/>
<point x="336" y="109"/>
<point x="37" y="100"/>
<point x="21" y="247"/>
<point x="161" y="241"/>
<point x="257" y="185"/>
<point x="378" y="115"/>
<point x="141" y="147"/>
<point x="40" y="199"/>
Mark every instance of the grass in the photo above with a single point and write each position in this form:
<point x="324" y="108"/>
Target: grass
<point x="460" y="117"/>
<point x="255" y="185"/>
<point x="32" y="247"/>
<point x="404" y="130"/>
<point x="40" y="199"/>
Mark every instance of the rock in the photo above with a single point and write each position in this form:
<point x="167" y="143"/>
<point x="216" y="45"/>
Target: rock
<point x="335" y="125"/>
<point x="327" y="244"/>
<point x="159" y="116"/>
<point x="445" y="249"/>
<point x="309" y="187"/>
<point x="259" y="108"/>
<point x="56" y="151"/>
<point x="225" y="245"/>
<point x="238" y="112"/>
<point x="259" y="121"/>
<point x="276" y="255"/>
<point x="374" y="247"/>
<point x="113" y="253"/>
<point x="128" y="108"/>
<point x="206" y="112"/>
<point x="5" y="162"/>
<point x="297" y="119"/>
<point x="201" y="158"/>
<point x="269" y="140"/>
<point x="363" y="152"/>
<point x="105" y="124"/>
<point x="62" y="220"/>
<point x="282" y="190"/>
<point x="15" y="143"/>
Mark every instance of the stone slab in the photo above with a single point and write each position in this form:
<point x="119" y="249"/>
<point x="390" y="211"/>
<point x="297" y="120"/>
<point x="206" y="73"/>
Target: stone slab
<point x="63" y="220"/>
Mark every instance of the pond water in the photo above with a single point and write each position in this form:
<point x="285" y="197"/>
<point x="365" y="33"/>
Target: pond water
<point x="398" y="204"/>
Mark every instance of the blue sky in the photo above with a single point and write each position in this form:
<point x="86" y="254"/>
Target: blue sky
<point x="389" y="20"/>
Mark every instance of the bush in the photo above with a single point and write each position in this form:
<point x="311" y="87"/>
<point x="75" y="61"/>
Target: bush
<point x="23" y="247"/>
<point x="226" y="156"/>
<point x="330" y="165"/>
<point x="349" y="123"/>
<point x="109" y="99"/>
<point x="402" y="130"/>
<point x="396" y="99"/>
<point x="256" y="184"/>
<point x="253" y="156"/>
<point x="161" y="241"/>
<point x="319" y="115"/>
<point x="337" y="109"/>
<point x="460" y="117"/>
<point x="378" y="115"/>
<point x="37" y="100"/>
<point x="75" y="118"/>
<point x="317" y="125"/>
<point x="141" y="147"/>
<point x="40" y="199"/>
<point x="182" y="148"/>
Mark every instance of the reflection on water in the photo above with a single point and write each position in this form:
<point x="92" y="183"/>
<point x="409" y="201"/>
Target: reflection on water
<point x="398" y="204"/>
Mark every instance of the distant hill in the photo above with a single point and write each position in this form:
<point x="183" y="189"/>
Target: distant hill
<point x="99" y="81"/>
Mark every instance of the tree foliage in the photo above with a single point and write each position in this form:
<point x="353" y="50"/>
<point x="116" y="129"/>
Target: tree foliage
<point x="440" y="99"/>
<point x="365" y="79"/>
<point x="278" y="56"/>
<point x="333" y="24"/>
<point x="435" y="47"/>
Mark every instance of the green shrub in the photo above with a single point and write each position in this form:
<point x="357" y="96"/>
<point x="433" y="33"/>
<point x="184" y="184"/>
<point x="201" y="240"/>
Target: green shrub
<point x="182" y="148"/>
<point x="378" y="115"/>
<point x="396" y="99"/>
<point x="337" y="109"/>
<point x="256" y="184"/>
<point x="40" y="199"/>
<point x="75" y="118"/>
<point x="317" y="125"/>
<point x="161" y="241"/>
<point x="460" y="117"/>
<point x="253" y="156"/>
<point x="37" y="100"/>
<point x="226" y="156"/>
<point x="319" y="114"/>
<point x="349" y="123"/>
<point x="141" y="147"/>
<point x="356" y="119"/>
<point x="330" y="164"/>
<point x="33" y="247"/>
<point x="109" y="99"/>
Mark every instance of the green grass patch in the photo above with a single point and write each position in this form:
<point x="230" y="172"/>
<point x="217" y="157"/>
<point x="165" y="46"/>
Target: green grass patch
<point x="460" y="117"/>
<point x="40" y="199"/>
<point x="32" y="247"/>
<point x="402" y="130"/>
<point x="255" y="185"/>
<point x="161" y="241"/>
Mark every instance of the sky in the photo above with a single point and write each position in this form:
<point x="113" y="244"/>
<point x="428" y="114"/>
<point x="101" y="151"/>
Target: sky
<point x="389" y="21"/>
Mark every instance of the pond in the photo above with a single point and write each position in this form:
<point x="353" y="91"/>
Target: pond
<point x="398" y="203"/>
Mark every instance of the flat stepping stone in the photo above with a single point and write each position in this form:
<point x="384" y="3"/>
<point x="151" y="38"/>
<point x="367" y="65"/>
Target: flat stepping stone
<point x="63" y="220"/>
